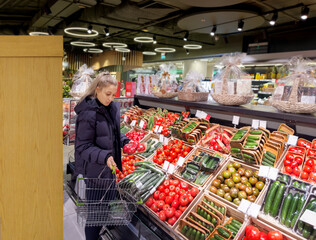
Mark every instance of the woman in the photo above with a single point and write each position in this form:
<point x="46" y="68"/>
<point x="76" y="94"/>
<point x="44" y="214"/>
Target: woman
<point x="98" y="139"/>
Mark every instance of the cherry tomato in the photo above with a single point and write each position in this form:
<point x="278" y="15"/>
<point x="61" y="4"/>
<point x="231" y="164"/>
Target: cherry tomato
<point x="287" y="162"/>
<point x="288" y="169"/>
<point x="309" y="162"/>
<point x="298" y="159"/>
<point x="294" y="164"/>
<point x="289" y="156"/>
<point x="304" y="175"/>
<point x="307" y="169"/>
<point x="296" y="171"/>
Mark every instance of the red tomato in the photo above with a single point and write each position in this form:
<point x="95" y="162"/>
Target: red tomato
<point x="314" y="168"/>
<point x="167" y="206"/>
<point x="298" y="159"/>
<point x="170" y="212"/>
<point x="263" y="236"/>
<point x="165" y="147"/>
<point x="288" y="169"/>
<point x="168" y="200"/>
<point x="289" y="156"/>
<point x="175" y="141"/>
<point x="172" y="220"/>
<point x="173" y="155"/>
<point x="296" y="171"/>
<point x="166" y="183"/>
<point x="301" y="143"/>
<point x="187" y="149"/>
<point x="293" y="149"/>
<point x="248" y="228"/>
<point x="166" y="191"/>
<point x="310" y="162"/>
<point x="177" y="214"/>
<point x="176" y="197"/>
<point x="162" y="216"/>
<point x="275" y="235"/>
<point x="184" y="186"/>
<point x="304" y="175"/>
<point x="169" y="158"/>
<point x="177" y="190"/>
<point x="156" y="195"/>
<point x="190" y="198"/>
<point x="181" y="192"/>
<point x="287" y="162"/>
<point x="159" y="151"/>
<point x="160" y="204"/>
<point x="183" y="200"/>
<point x="175" y="204"/>
<point x="172" y="194"/>
<point x="194" y="191"/>
<point x="314" y="144"/>
<point x="172" y="188"/>
<point x="166" y="152"/>
<point x="182" y="208"/>
<point x="162" y="196"/>
<point x="176" y="183"/>
<point x="312" y="176"/>
<point x="300" y="151"/>
<point x="154" y="207"/>
<point x="149" y="202"/>
<point x="294" y="165"/>
<point x="161" y="188"/>
<point x="253" y="233"/>
<point x="307" y="169"/>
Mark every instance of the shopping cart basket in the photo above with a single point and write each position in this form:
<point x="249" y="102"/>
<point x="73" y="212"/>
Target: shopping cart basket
<point x="101" y="202"/>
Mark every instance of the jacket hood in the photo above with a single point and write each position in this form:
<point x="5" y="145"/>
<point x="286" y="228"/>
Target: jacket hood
<point x="90" y="104"/>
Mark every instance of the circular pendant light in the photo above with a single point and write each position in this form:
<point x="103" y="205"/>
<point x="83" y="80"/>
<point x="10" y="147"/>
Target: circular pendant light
<point x="93" y="50"/>
<point x="38" y="34"/>
<point x="114" y="45"/>
<point x="83" y="44"/>
<point x="165" y="50"/>
<point x="144" y="39"/>
<point x="69" y="30"/>
<point x="192" y="46"/>
<point x="149" y="53"/>
<point x="122" y="50"/>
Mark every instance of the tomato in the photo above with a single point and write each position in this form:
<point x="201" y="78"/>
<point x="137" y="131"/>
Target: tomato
<point x="185" y="153"/>
<point x="298" y="159"/>
<point x="216" y="147"/>
<point x="161" y="188"/>
<point x="309" y="162"/>
<point x="160" y="204"/>
<point x="177" y="190"/>
<point x="172" y="188"/>
<point x="194" y="191"/>
<point x="175" y="204"/>
<point x="166" y="183"/>
<point x="301" y="143"/>
<point x="263" y="236"/>
<point x="165" y="147"/>
<point x="162" y="216"/>
<point x="170" y="212"/>
<point x="312" y="176"/>
<point x="176" y="197"/>
<point x="154" y="207"/>
<point x="304" y="175"/>
<point x="156" y="195"/>
<point x="182" y="208"/>
<point x="162" y="196"/>
<point x="173" y="155"/>
<point x="289" y="157"/>
<point x="296" y="171"/>
<point x="176" y="183"/>
<point x="253" y="233"/>
<point x="175" y="141"/>
<point x="300" y="151"/>
<point x="166" y="152"/>
<point x="149" y="202"/>
<point x="181" y="192"/>
<point x="311" y="153"/>
<point x="184" y="186"/>
<point x="190" y="198"/>
<point x="307" y="169"/>
<point x="287" y="162"/>
<point x="293" y="149"/>
<point x="314" y="168"/>
<point x="159" y="151"/>
<point x="288" y="169"/>
<point x="177" y="214"/>
<point x="167" y="206"/>
<point x="294" y="165"/>
<point x="183" y="200"/>
<point x="275" y="235"/>
<point x="166" y="191"/>
<point x="314" y="144"/>
<point x="172" y="194"/>
<point x="172" y="220"/>
<point x="169" y="200"/>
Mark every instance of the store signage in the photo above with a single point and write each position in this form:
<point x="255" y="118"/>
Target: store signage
<point x="156" y="129"/>
<point x="161" y="138"/>
<point x="292" y="140"/>
<point x="249" y="208"/>
<point x="235" y="120"/>
<point x="268" y="172"/>
<point x="160" y="129"/>
<point x="201" y="114"/>
<point x="263" y="124"/>
<point x="165" y="166"/>
<point x="171" y="168"/>
<point x="244" y="205"/>
<point x="255" y="123"/>
<point x="309" y="217"/>
<point x="180" y="161"/>
<point x="125" y="118"/>
<point x="133" y="123"/>
<point x="163" y="56"/>
<point x="165" y="141"/>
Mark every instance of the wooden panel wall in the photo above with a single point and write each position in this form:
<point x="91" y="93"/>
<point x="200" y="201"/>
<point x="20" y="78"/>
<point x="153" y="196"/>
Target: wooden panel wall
<point x="31" y="159"/>
<point x="76" y="60"/>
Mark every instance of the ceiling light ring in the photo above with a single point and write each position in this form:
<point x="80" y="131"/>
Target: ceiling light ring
<point x="165" y="50"/>
<point x="149" y="53"/>
<point x="144" y="39"/>
<point x="83" y="44"/>
<point x="123" y="50"/>
<point x="68" y="31"/>
<point x="114" y="45"/>
<point x="38" y="34"/>
<point x="93" y="50"/>
<point x="192" y="46"/>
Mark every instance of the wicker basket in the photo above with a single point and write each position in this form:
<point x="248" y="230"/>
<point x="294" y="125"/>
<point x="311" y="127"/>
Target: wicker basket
<point x="193" y="96"/>
<point x="165" y="95"/>
<point x="292" y="105"/>
<point x="230" y="99"/>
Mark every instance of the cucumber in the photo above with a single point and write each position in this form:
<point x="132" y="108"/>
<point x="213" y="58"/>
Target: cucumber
<point x="285" y="207"/>
<point x="310" y="206"/>
<point x="296" y="184"/>
<point x="302" y="186"/>
<point x="193" y="234"/>
<point x="253" y="137"/>
<point x="188" y="233"/>
<point x="299" y="208"/>
<point x="198" y="235"/>
<point x="277" y="200"/>
<point x="202" y="236"/>
<point x="255" y="132"/>
<point x="292" y="209"/>
<point x="236" y="223"/>
<point x="266" y="155"/>
<point x="218" y="237"/>
<point x="271" y="154"/>
<point x="251" y="141"/>
<point x="270" y="196"/>
<point x="184" y="229"/>
<point x="235" y="150"/>
<point x="223" y="232"/>
<point x="193" y="167"/>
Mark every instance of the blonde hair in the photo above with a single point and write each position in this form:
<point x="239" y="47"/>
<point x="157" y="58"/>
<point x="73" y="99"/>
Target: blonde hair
<point x="102" y="80"/>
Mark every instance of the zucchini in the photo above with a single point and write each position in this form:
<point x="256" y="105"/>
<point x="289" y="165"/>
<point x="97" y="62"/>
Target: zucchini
<point x="300" y="205"/>
<point x="223" y="232"/>
<point x="285" y="207"/>
<point x="292" y="209"/>
<point x="277" y="200"/>
<point x="270" y="196"/>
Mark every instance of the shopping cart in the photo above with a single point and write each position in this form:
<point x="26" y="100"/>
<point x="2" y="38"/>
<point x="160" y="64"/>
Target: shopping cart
<point x="101" y="202"/>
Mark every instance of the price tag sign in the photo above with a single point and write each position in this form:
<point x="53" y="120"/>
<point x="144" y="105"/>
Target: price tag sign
<point x="161" y="137"/>
<point x="263" y="124"/>
<point x="198" y="114"/>
<point x="292" y="140"/>
<point x="125" y="118"/>
<point x="273" y="173"/>
<point x="133" y="123"/>
<point x="171" y="168"/>
<point x="180" y="161"/>
<point x="156" y="129"/>
<point x="253" y="210"/>
<point x="263" y="171"/>
<point x="235" y="120"/>
<point x="165" y="166"/>
<point x="309" y="217"/>
<point x="141" y="124"/>
<point x="255" y="123"/>
<point x="165" y="141"/>
<point x="244" y="205"/>
<point x="160" y="129"/>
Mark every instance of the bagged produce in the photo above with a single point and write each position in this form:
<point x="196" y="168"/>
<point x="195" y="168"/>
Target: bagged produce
<point x="296" y="93"/>
<point x="232" y="86"/>
<point x="82" y="80"/>
<point x="167" y="84"/>
<point x="192" y="88"/>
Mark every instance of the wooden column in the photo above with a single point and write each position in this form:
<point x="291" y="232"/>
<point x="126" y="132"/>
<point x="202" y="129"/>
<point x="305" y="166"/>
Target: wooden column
<point x="31" y="159"/>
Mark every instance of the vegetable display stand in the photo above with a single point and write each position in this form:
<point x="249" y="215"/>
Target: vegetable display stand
<point x="153" y="144"/>
<point x="263" y="227"/>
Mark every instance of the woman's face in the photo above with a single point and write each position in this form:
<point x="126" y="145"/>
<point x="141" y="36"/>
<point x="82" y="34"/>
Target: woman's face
<point x="106" y="94"/>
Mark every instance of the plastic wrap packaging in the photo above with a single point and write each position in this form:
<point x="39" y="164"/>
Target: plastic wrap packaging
<point x="296" y="93"/>
<point x="232" y="86"/>
<point x="192" y="88"/>
<point x="82" y="80"/>
<point x="167" y="83"/>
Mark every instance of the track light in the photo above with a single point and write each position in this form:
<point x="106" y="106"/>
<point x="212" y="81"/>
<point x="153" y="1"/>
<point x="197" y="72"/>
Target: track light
<point x="106" y="31"/>
<point x="89" y="29"/>
<point x="186" y="36"/>
<point x="304" y="13"/>
<point x="154" y="39"/>
<point x="213" y="30"/>
<point x="240" y="25"/>
<point x="187" y="51"/>
<point x="273" y="19"/>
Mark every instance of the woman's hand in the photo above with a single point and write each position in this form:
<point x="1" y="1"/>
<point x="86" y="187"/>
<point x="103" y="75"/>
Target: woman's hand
<point x="110" y="163"/>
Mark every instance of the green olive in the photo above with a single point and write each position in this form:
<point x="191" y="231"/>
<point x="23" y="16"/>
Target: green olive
<point x="260" y="185"/>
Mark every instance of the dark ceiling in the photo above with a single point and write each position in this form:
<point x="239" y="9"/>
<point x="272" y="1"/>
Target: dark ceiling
<point x="167" y="19"/>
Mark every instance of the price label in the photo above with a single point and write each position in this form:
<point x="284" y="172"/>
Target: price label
<point x="201" y="114"/>
<point x="165" y="141"/>
<point x="161" y="137"/>
<point x="244" y="205"/>
<point x="160" y="129"/>
<point x="255" y="123"/>
<point x="308" y="99"/>
<point x="235" y="120"/>
<point x="156" y="129"/>
<point x="198" y="114"/>
<point x="165" y="166"/>
<point x="263" y="171"/>
<point x="141" y="124"/>
<point x="309" y="217"/>
<point x="263" y="124"/>
<point x="273" y="173"/>
<point x="292" y="140"/>
<point x="253" y="210"/>
<point x="133" y="123"/>
<point x="180" y="161"/>
<point x="125" y="118"/>
<point x="171" y="168"/>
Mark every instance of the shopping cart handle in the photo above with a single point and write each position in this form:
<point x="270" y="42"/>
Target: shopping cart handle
<point x="140" y="201"/>
<point x="113" y="169"/>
